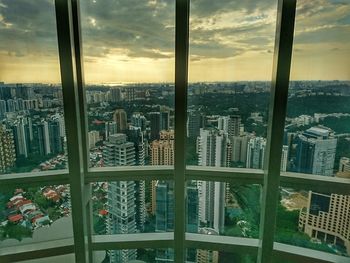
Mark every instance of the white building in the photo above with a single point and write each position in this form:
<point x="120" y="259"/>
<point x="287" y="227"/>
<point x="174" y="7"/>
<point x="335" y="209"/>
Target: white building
<point x="214" y="149"/>
<point x="121" y="195"/>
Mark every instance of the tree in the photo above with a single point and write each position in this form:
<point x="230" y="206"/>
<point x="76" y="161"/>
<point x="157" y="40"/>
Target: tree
<point x="12" y="230"/>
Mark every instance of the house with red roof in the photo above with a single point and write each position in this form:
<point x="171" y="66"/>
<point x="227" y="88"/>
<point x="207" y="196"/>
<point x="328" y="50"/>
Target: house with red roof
<point x="15" y="218"/>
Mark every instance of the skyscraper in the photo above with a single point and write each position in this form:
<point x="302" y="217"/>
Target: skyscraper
<point x="165" y="215"/>
<point x="162" y="153"/>
<point x="56" y="141"/>
<point x="136" y="136"/>
<point x="129" y="94"/>
<point x="7" y="150"/>
<point x="284" y="158"/>
<point x="154" y="118"/>
<point x="195" y="121"/>
<point x="110" y="128"/>
<point x="207" y="256"/>
<point x="121" y="194"/>
<point x="230" y="125"/>
<point x="214" y="149"/>
<point x="2" y="109"/>
<point x="256" y="153"/>
<point x="115" y="94"/>
<point x="239" y="148"/>
<point x="164" y="119"/>
<point x="94" y="137"/>
<point x="43" y="138"/>
<point x="21" y="133"/>
<point x="162" y="150"/>
<point x="120" y="118"/>
<point x="316" y="151"/>
<point x="138" y="120"/>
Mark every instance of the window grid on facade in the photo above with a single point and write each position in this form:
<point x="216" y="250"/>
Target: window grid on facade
<point x="79" y="176"/>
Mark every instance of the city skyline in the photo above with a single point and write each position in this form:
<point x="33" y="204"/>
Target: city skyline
<point x="224" y="45"/>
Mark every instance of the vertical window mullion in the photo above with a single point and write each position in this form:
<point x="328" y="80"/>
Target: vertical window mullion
<point x="73" y="126"/>
<point x="78" y="50"/>
<point x="277" y="113"/>
<point x="181" y="83"/>
<point x="80" y="80"/>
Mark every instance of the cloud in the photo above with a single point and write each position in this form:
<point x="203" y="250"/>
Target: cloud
<point x="146" y="28"/>
<point x="142" y="28"/>
<point x="27" y="28"/>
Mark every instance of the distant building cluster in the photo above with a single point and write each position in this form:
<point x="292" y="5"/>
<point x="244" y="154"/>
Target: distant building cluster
<point x="32" y="123"/>
<point x="32" y="127"/>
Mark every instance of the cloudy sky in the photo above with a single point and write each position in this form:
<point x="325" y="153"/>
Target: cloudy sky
<point x="133" y="40"/>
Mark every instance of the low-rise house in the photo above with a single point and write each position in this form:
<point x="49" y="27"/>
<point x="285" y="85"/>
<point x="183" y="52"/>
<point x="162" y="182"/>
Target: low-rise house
<point x="15" y="218"/>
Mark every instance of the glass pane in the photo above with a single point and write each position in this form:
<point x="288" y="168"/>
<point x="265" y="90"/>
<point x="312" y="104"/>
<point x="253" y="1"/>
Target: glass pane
<point x="70" y="258"/>
<point x="212" y="256"/>
<point x="217" y="208"/>
<point x="230" y="71"/>
<point x="129" y="76"/>
<point x="32" y="131"/>
<point x="132" y="256"/>
<point x="126" y="207"/>
<point x="35" y="214"/>
<point x="314" y="220"/>
<point x="318" y="114"/>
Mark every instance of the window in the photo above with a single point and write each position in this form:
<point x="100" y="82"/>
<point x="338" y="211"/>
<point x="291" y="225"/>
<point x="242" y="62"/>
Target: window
<point x="162" y="47"/>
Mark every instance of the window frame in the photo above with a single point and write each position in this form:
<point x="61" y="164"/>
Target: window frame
<point x="79" y="176"/>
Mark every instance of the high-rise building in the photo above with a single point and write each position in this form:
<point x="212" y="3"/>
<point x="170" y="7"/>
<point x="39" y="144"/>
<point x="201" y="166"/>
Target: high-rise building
<point x="3" y="109"/>
<point x="316" y="151"/>
<point x="11" y="105"/>
<point x="110" y="128"/>
<point x="129" y="94"/>
<point x="5" y="92"/>
<point x="121" y="194"/>
<point x="122" y="216"/>
<point x="230" y="125"/>
<point x="284" y="158"/>
<point x="195" y="121"/>
<point x="164" y="119"/>
<point x="136" y="136"/>
<point x="256" y="153"/>
<point x="24" y="92"/>
<point x="44" y="138"/>
<point x="94" y="137"/>
<point x="327" y="218"/>
<point x="115" y="94"/>
<point x="138" y="120"/>
<point x="56" y="141"/>
<point x="165" y="216"/>
<point x="207" y="256"/>
<point x="165" y="206"/>
<point x="214" y="149"/>
<point x="120" y="118"/>
<point x="7" y="150"/>
<point x="162" y="153"/>
<point x="162" y="150"/>
<point x="21" y="137"/>
<point x="192" y="207"/>
<point x="154" y="118"/>
<point x="239" y="148"/>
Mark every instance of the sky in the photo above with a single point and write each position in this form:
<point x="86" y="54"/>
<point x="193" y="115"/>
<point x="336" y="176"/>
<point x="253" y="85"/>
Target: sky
<point x="133" y="40"/>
